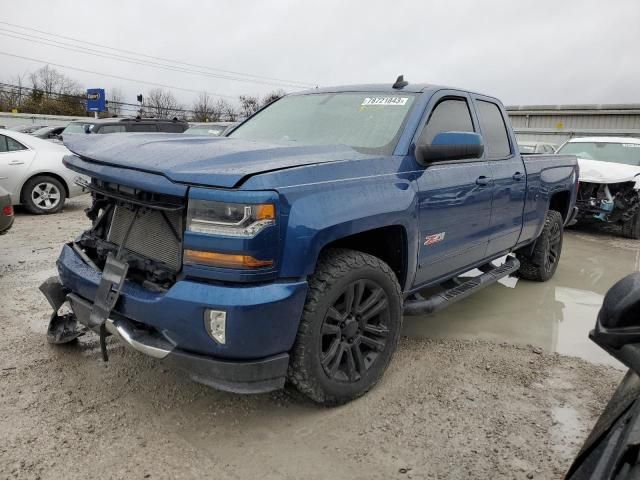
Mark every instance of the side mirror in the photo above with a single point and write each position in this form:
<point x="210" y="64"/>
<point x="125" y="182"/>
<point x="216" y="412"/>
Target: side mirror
<point x="450" y="146"/>
<point x="618" y="325"/>
<point x="87" y="129"/>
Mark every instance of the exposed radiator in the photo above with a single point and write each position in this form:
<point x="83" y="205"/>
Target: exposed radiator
<point x="150" y="236"/>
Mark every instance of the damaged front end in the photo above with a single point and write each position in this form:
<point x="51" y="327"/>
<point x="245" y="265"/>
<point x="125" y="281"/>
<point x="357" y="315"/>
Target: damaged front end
<point x="608" y="202"/>
<point x="135" y="235"/>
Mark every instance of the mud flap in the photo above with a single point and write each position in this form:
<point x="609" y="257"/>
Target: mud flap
<point x="109" y="289"/>
<point x="62" y="328"/>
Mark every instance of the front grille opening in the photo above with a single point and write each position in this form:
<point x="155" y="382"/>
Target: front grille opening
<point x="145" y="235"/>
<point x="154" y="234"/>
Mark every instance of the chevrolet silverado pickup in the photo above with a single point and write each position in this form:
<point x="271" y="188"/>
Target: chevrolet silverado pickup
<point x="289" y="250"/>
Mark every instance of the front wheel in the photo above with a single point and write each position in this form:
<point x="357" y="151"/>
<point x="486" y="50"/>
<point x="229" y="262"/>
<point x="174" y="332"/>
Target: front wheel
<point x="541" y="264"/>
<point x="43" y="194"/>
<point x="349" y="328"/>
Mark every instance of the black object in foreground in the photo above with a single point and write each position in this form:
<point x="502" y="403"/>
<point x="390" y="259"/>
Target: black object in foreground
<point x="612" y="450"/>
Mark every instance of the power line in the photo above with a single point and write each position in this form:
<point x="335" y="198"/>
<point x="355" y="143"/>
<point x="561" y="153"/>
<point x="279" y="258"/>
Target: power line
<point x="85" y="42"/>
<point x="122" y="58"/>
<point x="114" y="76"/>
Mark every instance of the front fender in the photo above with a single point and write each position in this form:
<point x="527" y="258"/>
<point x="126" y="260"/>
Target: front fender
<point x="319" y="214"/>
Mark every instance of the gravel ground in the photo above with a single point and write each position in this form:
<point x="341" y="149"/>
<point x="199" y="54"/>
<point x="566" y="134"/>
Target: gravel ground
<point x="444" y="409"/>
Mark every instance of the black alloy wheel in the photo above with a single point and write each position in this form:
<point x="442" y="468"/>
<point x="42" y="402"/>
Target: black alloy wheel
<point x="354" y="331"/>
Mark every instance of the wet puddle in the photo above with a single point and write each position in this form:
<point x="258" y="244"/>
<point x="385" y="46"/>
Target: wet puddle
<point x="556" y="315"/>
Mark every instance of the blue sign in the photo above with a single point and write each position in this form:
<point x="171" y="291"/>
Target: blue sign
<point x="96" y="101"/>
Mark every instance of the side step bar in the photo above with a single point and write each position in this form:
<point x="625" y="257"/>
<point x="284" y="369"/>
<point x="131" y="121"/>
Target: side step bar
<point x="446" y="298"/>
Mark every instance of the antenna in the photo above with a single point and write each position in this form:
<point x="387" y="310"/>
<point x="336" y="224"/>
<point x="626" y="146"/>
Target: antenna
<point x="400" y="82"/>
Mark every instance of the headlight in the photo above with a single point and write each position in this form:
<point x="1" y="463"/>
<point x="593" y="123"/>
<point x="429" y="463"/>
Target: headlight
<point x="233" y="219"/>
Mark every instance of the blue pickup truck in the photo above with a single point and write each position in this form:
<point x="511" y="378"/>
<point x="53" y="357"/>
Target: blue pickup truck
<point x="289" y="250"/>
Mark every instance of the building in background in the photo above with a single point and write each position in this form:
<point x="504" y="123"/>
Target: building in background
<point x="557" y="123"/>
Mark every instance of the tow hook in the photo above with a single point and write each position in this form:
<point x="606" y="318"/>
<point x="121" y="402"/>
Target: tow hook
<point x="63" y="324"/>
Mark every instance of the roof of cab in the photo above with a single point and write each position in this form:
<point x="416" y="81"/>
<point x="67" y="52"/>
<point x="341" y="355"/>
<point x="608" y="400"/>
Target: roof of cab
<point x="369" y="87"/>
<point x="388" y="88"/>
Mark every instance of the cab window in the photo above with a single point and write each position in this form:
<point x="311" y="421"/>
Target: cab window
<point x="494" y="130"/>
<point x="450" y="115"/>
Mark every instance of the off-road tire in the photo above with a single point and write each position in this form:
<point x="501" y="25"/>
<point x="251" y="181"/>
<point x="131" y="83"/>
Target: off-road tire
<point x="538" y="265"/>
<point x="55" y="185"/>
<point x="337" y="270"/>
<point x="631" y="228"/>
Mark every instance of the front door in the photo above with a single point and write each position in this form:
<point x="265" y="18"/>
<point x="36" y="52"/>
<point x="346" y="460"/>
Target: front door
<point x="454" y="198"/>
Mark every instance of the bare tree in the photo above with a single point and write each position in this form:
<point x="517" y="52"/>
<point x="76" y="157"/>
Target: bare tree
<point x="219" y="109"/>
<point x="248" y="105"/>
<point x="51" y="82"/>
<point x="54" y="93"/>
<point x="161" y="103"/>
<point x="116" y="97"/>
<point x="273" y="96"/>
<point x="13" y="94"/>
<point x="226" y="110"/>
<point x="204" y="109"/>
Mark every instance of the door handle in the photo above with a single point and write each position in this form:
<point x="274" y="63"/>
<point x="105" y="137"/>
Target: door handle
<point x="16" y="162"/>
<point x="518" y="176"/>
<point x="482" y="180"/>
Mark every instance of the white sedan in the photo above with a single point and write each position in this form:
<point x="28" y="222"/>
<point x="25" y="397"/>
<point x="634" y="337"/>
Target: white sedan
<point x="31" y="170"/>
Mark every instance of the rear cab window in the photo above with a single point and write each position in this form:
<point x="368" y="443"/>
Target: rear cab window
<point x="494" y="130"/>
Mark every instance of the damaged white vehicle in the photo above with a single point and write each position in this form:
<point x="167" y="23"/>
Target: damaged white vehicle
<point x="609" y="180"/>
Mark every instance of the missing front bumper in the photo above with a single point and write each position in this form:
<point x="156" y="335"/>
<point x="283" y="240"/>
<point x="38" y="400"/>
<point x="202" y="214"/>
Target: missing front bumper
<point x="253" y="376"/>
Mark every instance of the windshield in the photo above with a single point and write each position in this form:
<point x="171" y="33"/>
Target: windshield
<point x="215" y="130"/>
<point x="628" y="153"/>
<point x="42" y="131"/>
<point x="75" y="128"/>
<point x="368" y="122"/>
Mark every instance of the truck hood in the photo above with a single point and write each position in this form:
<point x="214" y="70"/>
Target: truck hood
<point x="595" y="171"/>
<point x="210" y="161"/>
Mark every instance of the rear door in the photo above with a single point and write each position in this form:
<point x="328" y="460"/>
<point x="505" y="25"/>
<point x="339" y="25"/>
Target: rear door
<point x="508" y="173"/>
<point x="454" y="197"/>
<point x="15" y="159"/>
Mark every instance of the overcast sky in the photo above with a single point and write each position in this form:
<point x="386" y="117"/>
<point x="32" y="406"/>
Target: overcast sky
<point x="524" y="52"/>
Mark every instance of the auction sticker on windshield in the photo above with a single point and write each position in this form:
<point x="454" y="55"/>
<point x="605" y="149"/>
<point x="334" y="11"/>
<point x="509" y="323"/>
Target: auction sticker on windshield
<point x="384" y="101"/>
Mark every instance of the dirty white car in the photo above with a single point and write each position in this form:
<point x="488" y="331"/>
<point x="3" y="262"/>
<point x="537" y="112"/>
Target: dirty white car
<point x="609" y="180"/>
<point x="31" y="170"/>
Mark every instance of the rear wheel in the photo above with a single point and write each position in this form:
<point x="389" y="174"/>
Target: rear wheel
<point x="43" y="194"/>
<point x="349" y="329"/>
<point x="541" y="264"/>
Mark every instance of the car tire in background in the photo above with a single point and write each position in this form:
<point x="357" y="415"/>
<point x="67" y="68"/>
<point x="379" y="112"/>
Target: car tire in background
<point x="631" y="228"/>
<point x="43" y="194"/>
<point x="540" y="264"/>
<point x="349" y="329"/>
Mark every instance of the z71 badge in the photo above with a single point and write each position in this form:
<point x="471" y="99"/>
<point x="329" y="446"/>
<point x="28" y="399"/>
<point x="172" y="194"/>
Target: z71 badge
<point x="435" y="238"/>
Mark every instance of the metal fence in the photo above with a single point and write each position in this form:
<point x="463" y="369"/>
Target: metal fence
<point x="8" y="119"/>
